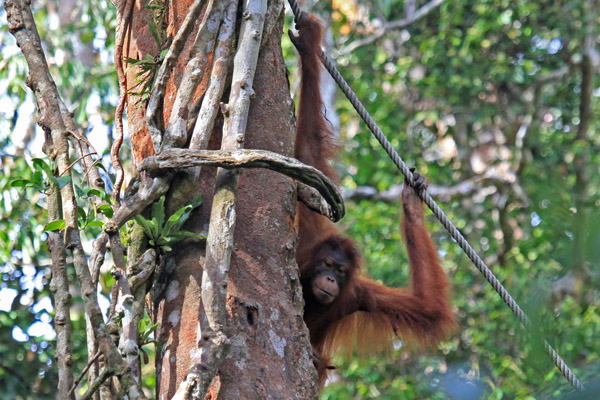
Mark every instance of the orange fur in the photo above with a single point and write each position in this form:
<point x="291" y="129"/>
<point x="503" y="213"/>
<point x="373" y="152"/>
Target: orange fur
<point x="366" y="315"/>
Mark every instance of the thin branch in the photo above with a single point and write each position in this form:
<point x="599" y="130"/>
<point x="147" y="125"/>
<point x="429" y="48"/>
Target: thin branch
<point x="587" y="82"/>
<point x="97" y="256"/>
<point x="552" y="76"/>
<point x="182" y="158"/>
<point x="82" y="146"/>
<point x="589" y="51"/>
<point x="83" y="372"/>
<point x="201" y="114"/>
<point x="76" y="161"/>
<point x="107" y="373"/>
<point x="123" y="22"/>
<point x="59" y="286"/>
<point x="481" y="185"/>
<point x="144" y="192"/>
<point x="420" y="13"/>
<point x="520" y="142"/>
<point x="128" y="346"/>
<point x="393" y="25"/>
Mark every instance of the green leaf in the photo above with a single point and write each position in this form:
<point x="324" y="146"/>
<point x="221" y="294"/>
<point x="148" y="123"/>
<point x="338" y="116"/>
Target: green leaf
<point x="92" y="213"/>
<point x="106" y="210"/>
<point x="155" y="228"/>
<point x="154" y="32"/>
<point x="147" y="332"/>
<point x="98" y="193"/>
<point x="174" y="220"/>
<point x="157" y="345"/>
<point x="109" y="280"/>
<point x="62" y="181"/>
<point x="162" y="241"/>
<point x="133" y="62"/>
<point x="82" y="215"/>
<point x="57" y="225"/>
<point x="145" y="224"/>
<point x="99" y="164"/>
<point x="20" y="183"/>
<point x="196" y="201"/>
<point x="41" y="165"/>
<point x="158" y="211"/>
<point x="96" y="223"/>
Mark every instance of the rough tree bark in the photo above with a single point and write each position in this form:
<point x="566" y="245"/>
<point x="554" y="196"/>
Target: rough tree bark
<point x="270" y="354"/>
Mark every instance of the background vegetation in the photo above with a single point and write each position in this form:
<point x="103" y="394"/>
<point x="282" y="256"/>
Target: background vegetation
<point x="487" y="98"/>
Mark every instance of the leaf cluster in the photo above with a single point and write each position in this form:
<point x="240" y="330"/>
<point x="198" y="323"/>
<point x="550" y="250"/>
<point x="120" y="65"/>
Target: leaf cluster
<point x="163" y="233"/>
<point x="148" y="66"/>
<point x="42" y="167"/>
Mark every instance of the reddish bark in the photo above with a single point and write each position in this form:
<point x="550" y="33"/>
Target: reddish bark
<point x="270" y="354"/>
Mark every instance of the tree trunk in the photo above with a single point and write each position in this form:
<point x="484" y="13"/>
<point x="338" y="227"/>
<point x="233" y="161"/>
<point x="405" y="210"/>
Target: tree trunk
<point x="270" y="354"/>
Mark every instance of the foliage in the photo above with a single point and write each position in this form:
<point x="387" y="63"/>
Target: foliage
<point x="79" y="59"/>
<point x="163" y="233"/>
<point x="148" y="66"/>
<point x="463" y="94"/>
<point x="25" y="307"/>
<point x="452" y="89"/>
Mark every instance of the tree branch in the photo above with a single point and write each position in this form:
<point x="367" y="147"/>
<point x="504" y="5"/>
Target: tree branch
<point x="392" y="25"/>
<point x="107" y="373"/>
<point x="91" y="361"/>
<point x="59" y="286"/>
<point x="22" y="26"/>
<point x="183" y="158"/>
<point x="312" y="199"/>
<point x="128" y="346"/>
<point x="487" y="183"/>
<point x="123" y="22"/>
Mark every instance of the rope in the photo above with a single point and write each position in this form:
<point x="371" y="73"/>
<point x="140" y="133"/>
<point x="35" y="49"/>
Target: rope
<point x="437" y="211"/>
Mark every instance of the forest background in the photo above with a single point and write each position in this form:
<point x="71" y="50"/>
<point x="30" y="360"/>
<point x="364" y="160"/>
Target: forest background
<point x="495" y="102"/>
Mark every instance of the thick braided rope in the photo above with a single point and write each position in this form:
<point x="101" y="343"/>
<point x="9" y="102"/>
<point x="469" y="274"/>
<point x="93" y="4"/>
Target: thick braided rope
<point x="424" y="195"/>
